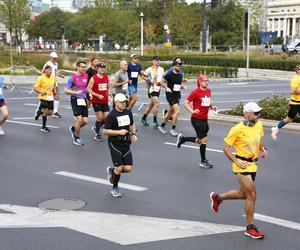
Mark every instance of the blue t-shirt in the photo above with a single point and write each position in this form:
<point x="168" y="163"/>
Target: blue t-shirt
<point x="133" y="73"/>
<point x="1" y="87"/>
<point x="171" y="69"/>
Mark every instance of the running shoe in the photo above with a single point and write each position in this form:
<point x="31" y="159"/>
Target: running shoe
<point x="215" y="203"/>
<point x="78" y="142"/>
<point x="254" y="233"/>
<point x="109" y="174"/>
<point x="162" y="129"/>
<point x="179" y="140"/>
<point x="56" y="115"/>
<point x="205" y="164"/>
<point x="144" y="122"/>
<point x="45" y="129"/>
<point x="98" y="138"/>
<point x="173" y="132"/>
<point x="2" y="131"/>
<point x="155" y="125"/>
<point x="72" y="130"/>
<point x="115" y="192"/>
<point x="274" y="134"/>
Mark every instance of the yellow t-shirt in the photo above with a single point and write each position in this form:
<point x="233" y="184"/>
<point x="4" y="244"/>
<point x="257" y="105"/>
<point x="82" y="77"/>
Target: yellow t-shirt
<point x="295" y="83"/>
<point x="246" y="141"/>
<point x="48" y="84"/>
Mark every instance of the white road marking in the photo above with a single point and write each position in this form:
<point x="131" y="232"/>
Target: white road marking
<point x="22" y="118"/>
<point x="237" y="83"/>
<point x="276" y="221"/>
<point x="195" y="147"/>
<point x="30" y="124"/>
<point x="19" y="98"/>
<point x="122" y="229"/>
<point x="99" y="180"/>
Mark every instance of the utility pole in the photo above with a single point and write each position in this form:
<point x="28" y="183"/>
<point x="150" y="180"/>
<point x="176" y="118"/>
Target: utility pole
<point x="204" y="27"/>
<point x="248" y="40"/>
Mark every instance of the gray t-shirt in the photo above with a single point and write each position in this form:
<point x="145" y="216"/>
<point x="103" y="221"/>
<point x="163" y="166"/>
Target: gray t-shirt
<point x="121" y="76"/>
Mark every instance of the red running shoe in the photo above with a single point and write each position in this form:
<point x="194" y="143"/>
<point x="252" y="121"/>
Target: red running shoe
<point x="254" y="233"/>
<point x="214" y="202"/>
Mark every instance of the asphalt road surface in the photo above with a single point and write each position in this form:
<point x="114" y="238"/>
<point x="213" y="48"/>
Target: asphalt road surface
<point x="165" y="203"/>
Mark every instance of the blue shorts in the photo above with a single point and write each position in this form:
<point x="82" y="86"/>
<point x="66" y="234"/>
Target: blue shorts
<point x="132" y="89"/>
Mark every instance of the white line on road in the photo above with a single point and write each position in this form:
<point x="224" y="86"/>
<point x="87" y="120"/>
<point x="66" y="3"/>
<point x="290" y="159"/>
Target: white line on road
<point x="188" y="146"/>
<point x="99" y="180"/>
<point x="22" y="118"/>
<point x="19" y="98"/>
<point x="29" y="123"/>
<point x="276" y="221"/>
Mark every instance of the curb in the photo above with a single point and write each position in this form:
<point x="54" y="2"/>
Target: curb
<point x="214" y="116"/>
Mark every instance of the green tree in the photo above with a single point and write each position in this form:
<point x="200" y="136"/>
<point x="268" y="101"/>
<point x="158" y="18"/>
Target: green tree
<point x="15" y="15"/>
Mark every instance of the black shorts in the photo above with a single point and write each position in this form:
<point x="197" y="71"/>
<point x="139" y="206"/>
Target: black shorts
<point x="79" y="110"/>
<point x="120" y="154"/>
<point x="153" y="94"/>
<point x="253" y="174"/>
<point x="46" y="104"/>
<point x="173" y="98"/>
<point x="294" y="109"/>
<point x="100" y="107"/>
<point x="201" y="127"/>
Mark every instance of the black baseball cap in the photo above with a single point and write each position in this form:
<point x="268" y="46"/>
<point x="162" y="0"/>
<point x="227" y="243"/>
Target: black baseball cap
<point x="156" y="58"/>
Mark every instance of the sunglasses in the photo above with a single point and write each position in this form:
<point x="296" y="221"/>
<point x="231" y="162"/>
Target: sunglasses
<point x="101" y="66"/>
<point x="257" y="113"/>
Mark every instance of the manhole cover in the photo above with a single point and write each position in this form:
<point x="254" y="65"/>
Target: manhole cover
<point x="61" y="204"/>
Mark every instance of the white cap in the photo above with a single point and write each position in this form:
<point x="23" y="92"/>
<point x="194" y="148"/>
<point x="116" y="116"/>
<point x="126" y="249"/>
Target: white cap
<point x="120" y="97"/>
<point x="134" y="56"/>
<point x="53" y="55"/>
<point x="251" y="107"/>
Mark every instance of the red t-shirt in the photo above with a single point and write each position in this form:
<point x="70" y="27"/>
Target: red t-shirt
<point x="201" y="100"/>
<point x="100" y="87"/>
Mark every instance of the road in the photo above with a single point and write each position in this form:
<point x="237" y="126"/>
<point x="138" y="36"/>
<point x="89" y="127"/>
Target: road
<point x="167" y="205"/>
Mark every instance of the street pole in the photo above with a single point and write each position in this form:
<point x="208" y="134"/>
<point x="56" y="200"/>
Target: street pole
<point x="62" y="39"/>
<point x="248" y="41"/>
<point x="204" y="27"/>
<point x="142" y="33"/>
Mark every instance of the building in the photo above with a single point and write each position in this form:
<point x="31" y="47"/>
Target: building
<point x="283" y="17"/>
<point x="38" y="6"/>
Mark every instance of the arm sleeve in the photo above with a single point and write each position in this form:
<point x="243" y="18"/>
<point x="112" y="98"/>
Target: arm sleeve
<point x="131" y="118"/>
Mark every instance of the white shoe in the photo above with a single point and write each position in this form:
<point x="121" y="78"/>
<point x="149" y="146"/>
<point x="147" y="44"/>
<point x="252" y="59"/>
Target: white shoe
<point x="2" y="131"/>
<point x="274" y="134"/>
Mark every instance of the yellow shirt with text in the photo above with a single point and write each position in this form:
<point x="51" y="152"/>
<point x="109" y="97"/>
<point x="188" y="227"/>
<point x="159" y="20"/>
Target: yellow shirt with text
<point x="295" y="83"/>
<point x="246" y="141"/>
<point x="48" y="84"/>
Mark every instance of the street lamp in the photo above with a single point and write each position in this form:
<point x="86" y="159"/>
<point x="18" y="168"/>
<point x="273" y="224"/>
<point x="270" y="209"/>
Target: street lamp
<point x="142" y="33"/>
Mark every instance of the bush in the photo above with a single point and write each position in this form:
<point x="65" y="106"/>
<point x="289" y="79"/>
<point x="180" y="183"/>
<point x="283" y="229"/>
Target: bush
<point x="274" y="108"/>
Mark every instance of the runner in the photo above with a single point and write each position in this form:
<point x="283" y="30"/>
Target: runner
<point x="245" y="137"/>
<point x="3" y="106"/>
<point x="45" y="87"/>
<point x="201" y="99"/>
<point x="77" y="88"/>
<point x="173" y="95"/>
<point x="99" y="89"/>
<point x="134" y="71"/>
<point x="91" y="71"/>
<point x="153" y="76"/>
<point x="120" y="128"/>
<point x="294" y="104"/>
<point x="54" y="65"/>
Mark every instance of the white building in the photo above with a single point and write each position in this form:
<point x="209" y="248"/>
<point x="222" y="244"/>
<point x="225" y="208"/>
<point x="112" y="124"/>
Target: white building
<point x="283" y="17"/>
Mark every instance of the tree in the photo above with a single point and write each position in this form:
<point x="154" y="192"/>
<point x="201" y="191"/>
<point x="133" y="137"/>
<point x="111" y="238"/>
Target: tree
<point x="15" y="15"/>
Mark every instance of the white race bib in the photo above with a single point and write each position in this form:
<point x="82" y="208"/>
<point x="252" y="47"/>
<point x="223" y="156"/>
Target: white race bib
<point x="205" y="101"/>
<point x="123" y="120"/>
<point x="81" y="102"/>
<point x="176" y="87"/>
<point x="156" y="88"/>
<point x="102" y="86"/>
<point x="50" y="97"/>
<point x="1" y="91"/>
<point x="125" y="86"/>
<point x="134" y="74"/>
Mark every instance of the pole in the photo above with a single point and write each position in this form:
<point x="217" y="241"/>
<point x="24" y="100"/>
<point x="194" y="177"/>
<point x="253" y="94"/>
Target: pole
<point x="248" y="42"/>
<point x="142" y="33"/>
<point x="62" y="40"/>
<point x="204" y="27"/>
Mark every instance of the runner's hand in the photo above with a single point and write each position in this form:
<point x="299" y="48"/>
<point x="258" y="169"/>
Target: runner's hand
<point x="242" y="164"/>
<point x="264" y="153"/>
<point x="134" y="138"/>
<point x="100" y="97"/>
<point x="168" y="90"/>
<point x="78" y="92"/>
<point x="214" y="108"/>
<point x="123" y="132"/>
<point x="195" y="111"/>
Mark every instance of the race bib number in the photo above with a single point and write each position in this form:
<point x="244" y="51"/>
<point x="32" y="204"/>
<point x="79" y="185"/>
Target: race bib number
<point x="50" y="97"/>
<point x="123" y="120"/>
<point x="176" y="87"/>
<point x="81" y="102"/>
<point x="156" y="88"/>
<point x="134" y="74"/>
<point x="125" y="86"/>
<point x="102" y="86"/>
<point x="1" y="92"/>
<point x="205" y="101"/>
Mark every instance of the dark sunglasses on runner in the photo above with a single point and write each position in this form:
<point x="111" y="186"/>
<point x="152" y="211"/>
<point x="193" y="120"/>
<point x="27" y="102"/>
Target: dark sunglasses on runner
<point x="257" y="113"/>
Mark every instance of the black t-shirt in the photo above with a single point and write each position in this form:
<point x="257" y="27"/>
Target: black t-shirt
<point x="119" y="120"/>
<point x="173" y="82"/>
<point x="90" y="71"/>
